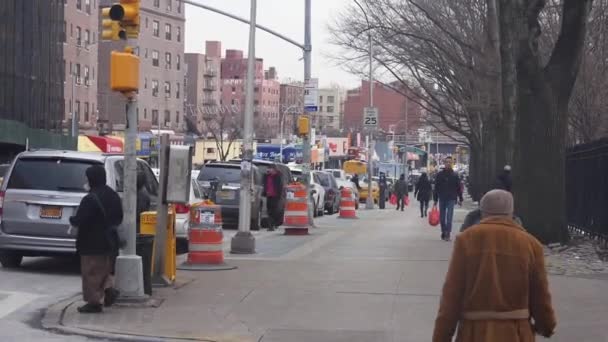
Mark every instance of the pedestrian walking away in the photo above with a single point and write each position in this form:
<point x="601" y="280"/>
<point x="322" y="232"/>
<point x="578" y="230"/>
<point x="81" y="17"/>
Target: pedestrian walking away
<point x="401" y="190"/>
<point x="355" y="179"/>
<point x="98" y="214"/>
<point x="496" y="288"/>
<point x="448" y="190"/>
<point x="474" y="217"/>
<point x="504" y="180"/>
<point x="422" y="193"/>
<point x="273" y="188"/>
<point x="383" y="185"/>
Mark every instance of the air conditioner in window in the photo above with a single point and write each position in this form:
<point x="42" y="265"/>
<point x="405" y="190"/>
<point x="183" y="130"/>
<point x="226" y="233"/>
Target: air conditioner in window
<point x="78" y="80"/>
<point x="87" y="82"/>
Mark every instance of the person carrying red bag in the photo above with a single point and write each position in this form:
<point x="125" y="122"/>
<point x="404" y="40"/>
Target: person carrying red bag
<point x="401" y="191"/>
<point x="447" y="191"/>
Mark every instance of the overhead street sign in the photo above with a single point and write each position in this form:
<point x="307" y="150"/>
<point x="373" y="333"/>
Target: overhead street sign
<point x="370" y="117"/>
<point x="311" y="95"/>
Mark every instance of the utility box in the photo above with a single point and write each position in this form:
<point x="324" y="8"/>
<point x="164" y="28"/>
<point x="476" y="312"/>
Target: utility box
<point x="124" y="71"/>
<point x="148" y="226"/>
<point x="179" y="164"/>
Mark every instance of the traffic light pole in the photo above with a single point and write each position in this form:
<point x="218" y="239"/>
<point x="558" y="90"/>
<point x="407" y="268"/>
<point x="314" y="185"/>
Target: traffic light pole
<point x="129" y="269"/>
<point x="306" y="159"/>
<point x="244" y="242"/>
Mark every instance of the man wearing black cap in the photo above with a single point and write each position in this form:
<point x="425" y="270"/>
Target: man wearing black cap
<point x="99" y="212"/>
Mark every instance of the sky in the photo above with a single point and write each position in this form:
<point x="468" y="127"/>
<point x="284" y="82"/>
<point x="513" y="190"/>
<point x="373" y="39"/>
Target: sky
<point x="283" y="16"/>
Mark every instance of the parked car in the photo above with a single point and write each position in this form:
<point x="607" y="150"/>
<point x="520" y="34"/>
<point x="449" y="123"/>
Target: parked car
<point x="348" y="184"/>
<point x="263" y="166"/>
<point x="182" y="217"/>
<point x="228" y="176"/>
<point x="317" y="193"/>
<point x="3" y="171"/>
<point x="332" y="192"/>
<point x="42" y="190"/>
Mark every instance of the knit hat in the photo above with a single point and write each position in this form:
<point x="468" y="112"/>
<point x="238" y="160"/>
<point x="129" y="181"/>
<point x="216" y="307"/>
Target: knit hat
<point x="497" y="203"/>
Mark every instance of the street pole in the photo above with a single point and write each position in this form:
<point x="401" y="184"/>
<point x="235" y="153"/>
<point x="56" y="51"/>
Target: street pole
<point x="281" y="135"/>
<point x="244" y="242"/>
<point x="406" y="169"/>
<point x="307" y="75"/>
<point x="129" y="269"/>
<point x="74" y="115"/>
<point x="369" y="203"/>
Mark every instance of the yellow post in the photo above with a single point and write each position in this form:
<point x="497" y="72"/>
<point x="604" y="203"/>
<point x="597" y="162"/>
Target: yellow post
<point x="148" y="226"/>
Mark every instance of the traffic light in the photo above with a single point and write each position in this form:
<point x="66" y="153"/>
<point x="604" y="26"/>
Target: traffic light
<point x="111" y="29"/>
<point x="127" y="13"/>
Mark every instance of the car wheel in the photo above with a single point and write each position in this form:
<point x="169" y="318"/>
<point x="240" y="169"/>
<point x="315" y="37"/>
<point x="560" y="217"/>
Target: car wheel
<point x="315" y="212"/>
<point x="320" y="207"/>
<point x="256" y="223"/>
<point x="10" y="260"/>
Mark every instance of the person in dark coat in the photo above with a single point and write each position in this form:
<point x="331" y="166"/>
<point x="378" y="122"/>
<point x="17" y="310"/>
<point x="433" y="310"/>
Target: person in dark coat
<point x="355" y="179"/>
<point x="143" y="198"/>
<point x="423" y="192"/>
<point x="447" y="191"/>
<point x="96" y="242"/>
<point x="401" y="190"/>
<point x="383" y="185"/>
<point x="273" y="190"/>
<point x="504" y="181"/>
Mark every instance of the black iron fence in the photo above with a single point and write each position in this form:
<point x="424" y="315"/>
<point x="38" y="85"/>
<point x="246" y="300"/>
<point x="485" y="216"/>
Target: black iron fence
<point x="587" y="189"/>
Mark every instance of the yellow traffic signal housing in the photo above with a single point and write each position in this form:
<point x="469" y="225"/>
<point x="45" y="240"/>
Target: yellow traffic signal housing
<point x="112" y="30"/>
<point x="303" y="125"/>
<point x="124" y="71"/>
<point x="127" y="13"/>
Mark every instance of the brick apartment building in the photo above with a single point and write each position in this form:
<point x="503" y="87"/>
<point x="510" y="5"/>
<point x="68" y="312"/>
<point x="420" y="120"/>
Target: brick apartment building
<point x="266" y="91"/>
<point x="291" y="103"/>
<point x="80" y="57"/>
<point x="392" y="107"/>
<point x="203" y="82"/>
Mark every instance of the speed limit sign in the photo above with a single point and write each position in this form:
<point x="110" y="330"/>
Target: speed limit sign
<point x="370" y="117"/>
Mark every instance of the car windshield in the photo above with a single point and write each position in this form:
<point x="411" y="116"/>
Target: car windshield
<point x="337" y="174"/>
<point x="324" y="178"/>
<point x="225" y="174"/>
<point x="49" y="174"/>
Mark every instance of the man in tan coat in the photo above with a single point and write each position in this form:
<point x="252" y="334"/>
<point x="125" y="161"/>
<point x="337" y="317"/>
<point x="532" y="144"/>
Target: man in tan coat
<point x="496" y="288"/>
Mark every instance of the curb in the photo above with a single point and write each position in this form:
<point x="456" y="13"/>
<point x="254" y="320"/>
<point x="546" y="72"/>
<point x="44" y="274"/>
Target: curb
<point x="52" y="320"/>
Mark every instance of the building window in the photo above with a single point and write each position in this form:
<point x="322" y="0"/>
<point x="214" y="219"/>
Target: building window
<point x="145" y="114"/>
<point x="320" y="108"/>
<point x="167" y="89"/>
<point x="87" y="6"/>
<point x="77" y="73"/>
<point x="78" y="36"/>
<point x="179" y="33"/>
<point x="77" y="109"/>
<point x="79" y="5"/>
<point x="155" y="117"/>
<point x="86" y="76"/>
<point x="156" y="28"/>
<point x="64" y="34"/>
<point x="146" y="22"/>
<point x="87" y="38"/>
<point x="168" y="31"/>
<point x="155" y="88"/>
<point x="233" y="90"/>
<point x="179" y="62"/>
<point x="330" y="99"/>
<point x="86" y="112"/>
<point x="177" y="116"/>
<point x="177" y="89"/>
<point x="179" y="6"/>
<point x="145" y="83"/>
<point x="146" y="53"/>
<point x="167" y="60"/>
<point x="71" y="31"/>
<point x="256" y="89"/>
<point x="330" y="119"/>
<point x="167" y="118"/>
<point x="155" y="58"/>
<point x="330" y="109"/>
<point x="169" y="5"/>
<point x="157" y="3"/>
<point x="320" y="99"/>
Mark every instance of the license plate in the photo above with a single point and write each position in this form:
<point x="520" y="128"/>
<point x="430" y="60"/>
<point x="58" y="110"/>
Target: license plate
<point x="208" y="217"/>
<point x="226" y="195"/>
<point x="51" y="212"/>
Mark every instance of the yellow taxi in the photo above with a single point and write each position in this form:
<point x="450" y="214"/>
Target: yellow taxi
<point x="363" y="192"/>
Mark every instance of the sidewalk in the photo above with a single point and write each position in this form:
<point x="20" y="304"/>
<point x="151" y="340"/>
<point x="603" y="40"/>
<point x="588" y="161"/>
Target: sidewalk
<point x="375" y="279"/>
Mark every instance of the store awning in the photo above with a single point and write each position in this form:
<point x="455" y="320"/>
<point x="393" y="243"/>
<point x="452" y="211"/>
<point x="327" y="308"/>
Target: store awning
<point x="107" y="144"/>
<point x="86" y="145"/>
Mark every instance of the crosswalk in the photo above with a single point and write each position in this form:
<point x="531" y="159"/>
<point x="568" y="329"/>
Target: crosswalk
<point x="12" y="301"/>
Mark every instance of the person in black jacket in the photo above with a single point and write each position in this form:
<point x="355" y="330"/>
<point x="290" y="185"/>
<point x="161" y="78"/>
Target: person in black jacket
<point x="273" y="190"/>
<point x="448" y="189"/>
<point x="423" y="193"/>
<point x="504" y="180"/>
<point x="96" y="242"/>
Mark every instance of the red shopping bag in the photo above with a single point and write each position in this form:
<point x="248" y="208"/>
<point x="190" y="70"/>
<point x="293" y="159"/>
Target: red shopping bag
<point x="406" y="200"/>
<point x="434" y="216"/>
<point x="393" y="199"/>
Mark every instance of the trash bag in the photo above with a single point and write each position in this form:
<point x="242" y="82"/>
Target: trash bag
<point x="393" y="199"/>
<point x="434" y="216"/>
<point x="406" y="200"/>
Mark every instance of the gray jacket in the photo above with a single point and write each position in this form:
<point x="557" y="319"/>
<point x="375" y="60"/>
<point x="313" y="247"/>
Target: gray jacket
<point x="474" y="217"/>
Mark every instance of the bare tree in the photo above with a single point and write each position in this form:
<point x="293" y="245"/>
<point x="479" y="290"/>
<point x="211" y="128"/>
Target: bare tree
<point x="539" y="94"/>
<point x="224" y="127"/>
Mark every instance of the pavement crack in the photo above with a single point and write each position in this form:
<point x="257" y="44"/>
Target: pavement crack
<point x="247" y="295"/>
